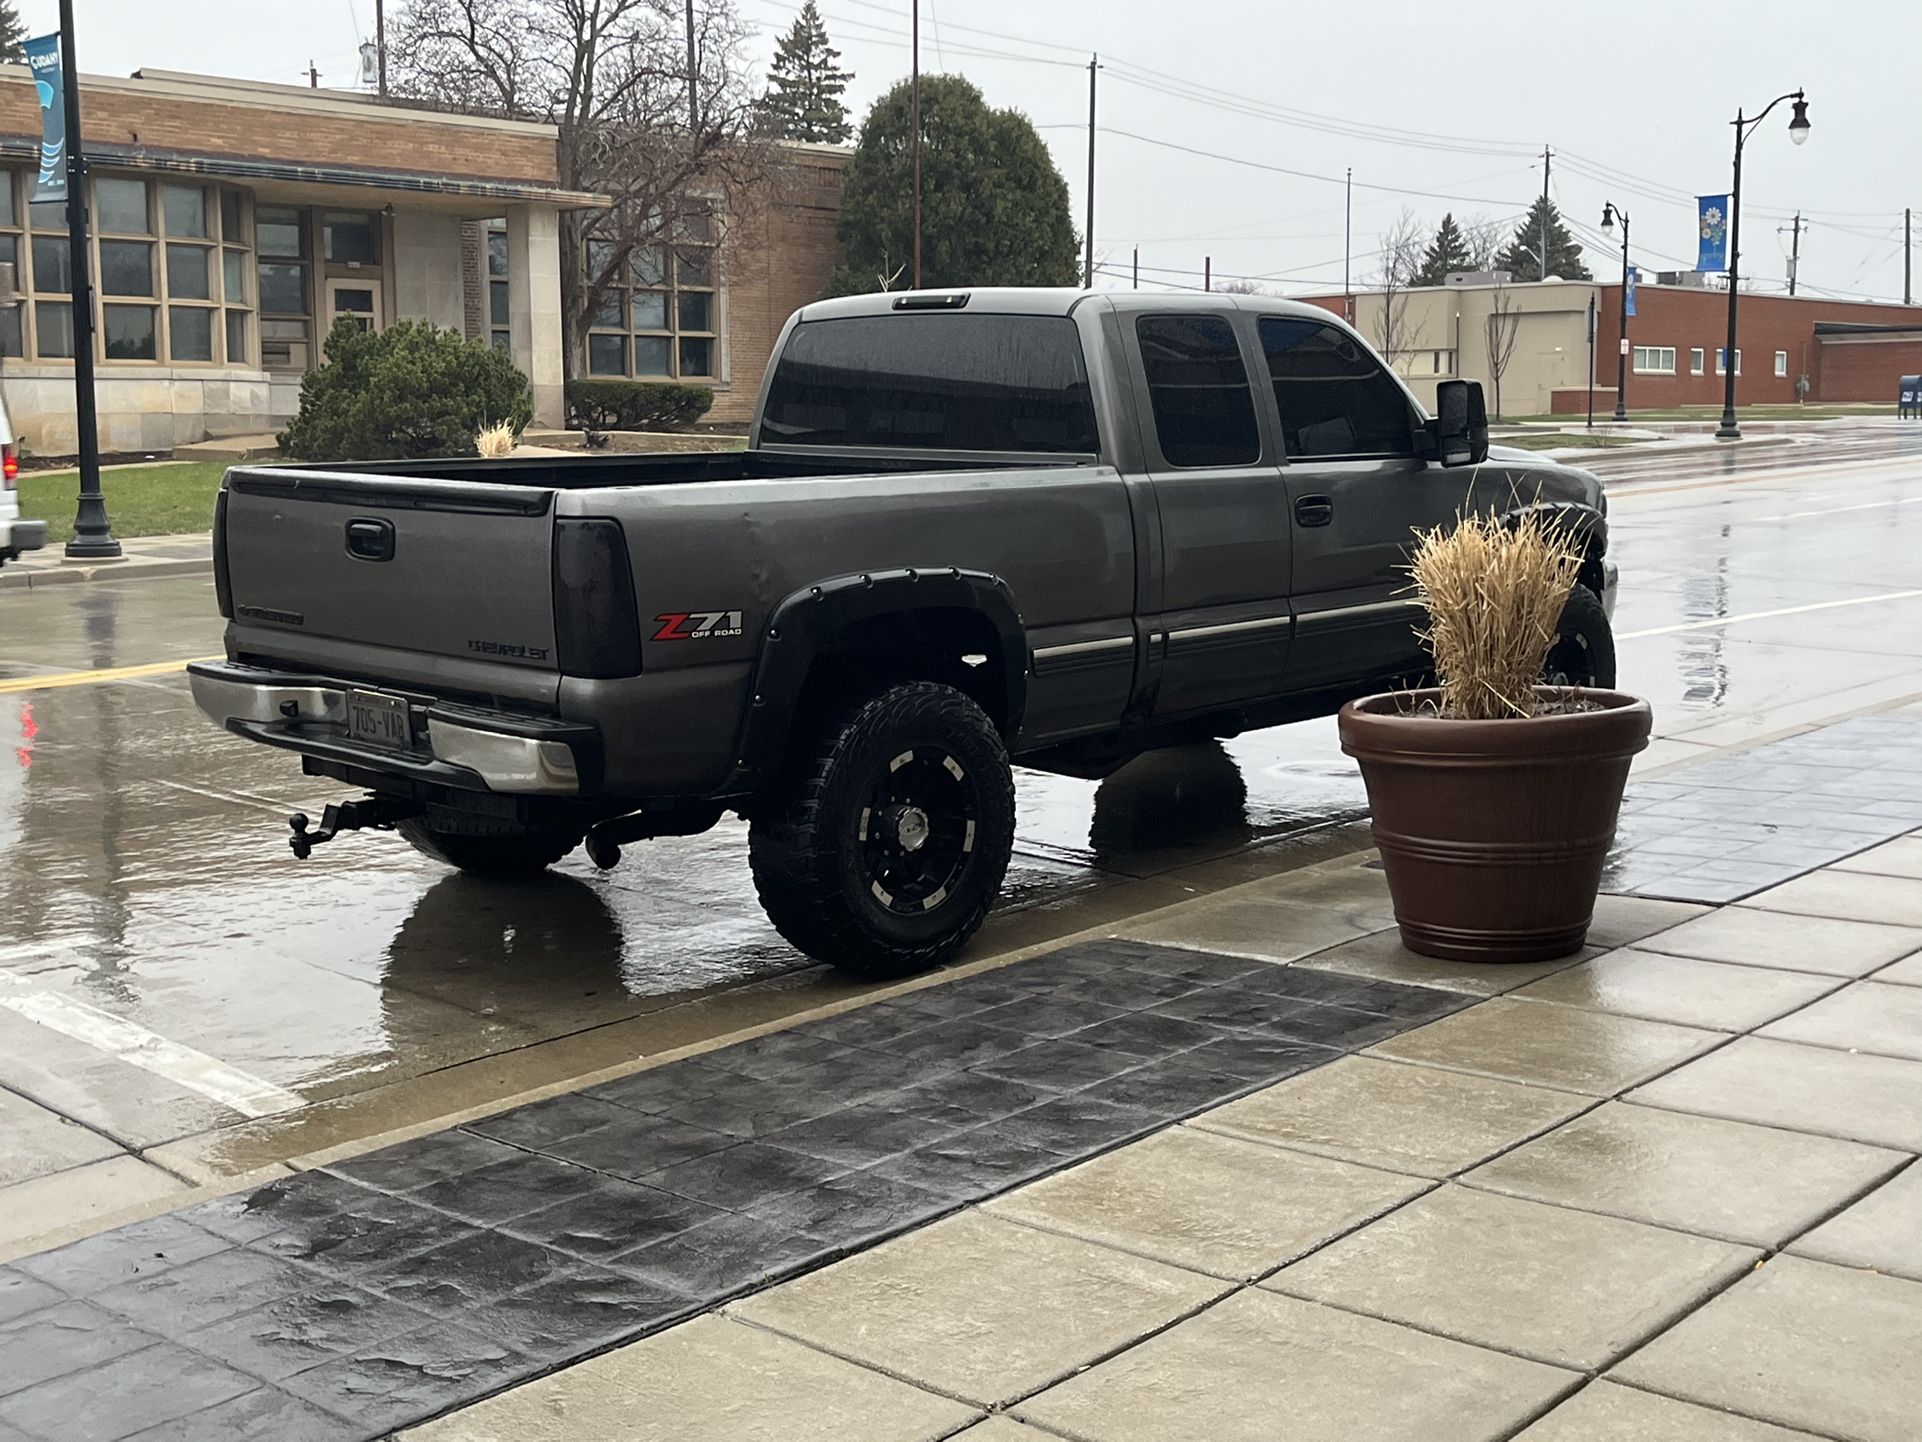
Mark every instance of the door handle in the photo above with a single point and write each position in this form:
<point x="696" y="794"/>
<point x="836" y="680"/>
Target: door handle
<point x="370" y="540"/>
<point x="1314" y="511"/>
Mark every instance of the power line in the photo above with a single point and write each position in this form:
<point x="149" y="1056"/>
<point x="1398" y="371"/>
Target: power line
<point x="1301" y="174"/>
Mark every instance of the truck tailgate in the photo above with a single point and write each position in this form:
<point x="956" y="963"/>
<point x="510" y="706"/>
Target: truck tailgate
<point x="443" y="584"/>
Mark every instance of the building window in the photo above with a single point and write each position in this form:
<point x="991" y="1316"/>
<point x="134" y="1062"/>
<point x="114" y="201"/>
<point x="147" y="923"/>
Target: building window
<point x="660" y="320"/>
<point x="283" y="276"/>
<point x="498" y="309"/>
<point x="1654" y="360"/>
<point x="236" y="270"/>
<point x="1696" y="359"/>
<point x="12" y="318"/>
<point x="350" y="238"/>
<point x="1721" y="360"/>
<point x="1781" y="364"/>
<point x="153" y="256"/>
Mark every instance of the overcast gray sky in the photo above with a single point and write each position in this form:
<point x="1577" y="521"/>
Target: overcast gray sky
<point x="1456" y="100"/>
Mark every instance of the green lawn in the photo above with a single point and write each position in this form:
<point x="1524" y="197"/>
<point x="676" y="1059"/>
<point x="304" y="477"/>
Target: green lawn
<point x="1555" y="440"/>
<point x="1789" y="412"/>
<point x="141" y="500"/>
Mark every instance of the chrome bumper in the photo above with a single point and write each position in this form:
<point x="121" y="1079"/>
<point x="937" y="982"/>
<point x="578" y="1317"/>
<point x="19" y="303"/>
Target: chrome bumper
<point x="1611" y="582"/>
<point x="308" y="715"/>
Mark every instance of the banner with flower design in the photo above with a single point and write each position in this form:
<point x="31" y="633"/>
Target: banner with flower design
<point x="1713" y="254"/>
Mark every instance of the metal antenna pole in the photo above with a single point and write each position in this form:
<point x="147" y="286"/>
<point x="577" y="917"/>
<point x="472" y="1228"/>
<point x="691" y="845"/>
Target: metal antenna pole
<point x="1347" y="249"/>
<point x="1087" y="264"/>
<point x="92" y="535"/>
<point x="380" y="43"/>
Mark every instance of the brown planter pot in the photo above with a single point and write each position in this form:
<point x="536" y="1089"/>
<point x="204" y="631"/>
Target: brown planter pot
<point x="1494" y="833"/>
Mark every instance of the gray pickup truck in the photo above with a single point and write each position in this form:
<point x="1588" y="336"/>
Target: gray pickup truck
<point x="1048" y="526"/>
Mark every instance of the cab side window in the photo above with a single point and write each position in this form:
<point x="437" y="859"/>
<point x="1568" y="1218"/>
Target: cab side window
<point x="1334" y="397"/>
<point x="1204" y="410"/>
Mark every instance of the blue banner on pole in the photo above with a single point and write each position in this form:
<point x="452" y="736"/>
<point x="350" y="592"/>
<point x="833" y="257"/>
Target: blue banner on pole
<point x="1713" y="254"/>
<point x="1634" y="276"/>
<point x="43" y="58"/>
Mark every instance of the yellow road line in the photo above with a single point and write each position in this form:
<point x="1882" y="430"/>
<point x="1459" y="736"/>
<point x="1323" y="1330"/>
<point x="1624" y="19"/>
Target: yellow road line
<point x="107" y="673"/>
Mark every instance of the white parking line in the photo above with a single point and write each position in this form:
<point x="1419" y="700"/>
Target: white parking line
<point x="1837" y="510"/>
<point x="1766" y="615"/>
<point x="214" y="1079"/>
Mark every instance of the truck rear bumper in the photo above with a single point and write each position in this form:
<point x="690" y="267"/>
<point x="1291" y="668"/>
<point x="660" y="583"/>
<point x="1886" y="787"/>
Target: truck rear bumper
<point x="21" y="536"/>
<point x="465" y="748"/>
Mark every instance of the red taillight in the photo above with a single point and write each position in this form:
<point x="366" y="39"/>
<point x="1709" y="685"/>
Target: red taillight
<point x="9" y="465"/>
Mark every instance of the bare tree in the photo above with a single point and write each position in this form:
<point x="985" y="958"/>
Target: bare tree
<point x="1402" y="246"/>
<point x="677" y="155"/>
<point x="1239" y="286"/>
<point x="1483" y="239"/>
<point x="1504" y="328"/>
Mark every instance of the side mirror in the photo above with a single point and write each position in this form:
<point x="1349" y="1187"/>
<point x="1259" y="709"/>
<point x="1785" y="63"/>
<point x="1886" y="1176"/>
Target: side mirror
<point x="1460" y="427"/>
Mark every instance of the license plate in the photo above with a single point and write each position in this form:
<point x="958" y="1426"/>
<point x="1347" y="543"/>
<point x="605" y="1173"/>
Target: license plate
<point x="379" y="719"/>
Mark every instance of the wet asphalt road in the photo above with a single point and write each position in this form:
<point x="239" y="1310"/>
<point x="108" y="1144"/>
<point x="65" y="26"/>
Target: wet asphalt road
<point x="172" y="979"/>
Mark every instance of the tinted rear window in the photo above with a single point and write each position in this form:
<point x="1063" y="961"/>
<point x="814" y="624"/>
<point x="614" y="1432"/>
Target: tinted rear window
<point x="1204" y="410"/>
<point x="933" y="382"/>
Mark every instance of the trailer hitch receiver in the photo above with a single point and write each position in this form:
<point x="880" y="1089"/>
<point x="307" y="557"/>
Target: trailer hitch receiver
<point x="373" y="812"/>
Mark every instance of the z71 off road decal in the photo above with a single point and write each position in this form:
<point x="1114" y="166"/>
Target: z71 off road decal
<point x="697" y="625"/>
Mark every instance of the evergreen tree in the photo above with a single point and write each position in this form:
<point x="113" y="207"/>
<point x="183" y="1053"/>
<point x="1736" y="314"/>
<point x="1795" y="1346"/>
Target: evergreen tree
<point x="1446" y="253"/>
<point x="1523" y="257"/>
<point x="13" y="34"/>
<point x="994" y="209"/>
<point x="804" y="101"/>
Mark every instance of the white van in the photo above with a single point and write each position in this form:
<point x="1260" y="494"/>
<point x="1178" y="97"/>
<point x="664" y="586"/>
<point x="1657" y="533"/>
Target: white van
<point x="16" y="535"/>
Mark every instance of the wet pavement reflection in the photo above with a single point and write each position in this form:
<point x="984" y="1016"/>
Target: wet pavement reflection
<point x="144" y="879"/>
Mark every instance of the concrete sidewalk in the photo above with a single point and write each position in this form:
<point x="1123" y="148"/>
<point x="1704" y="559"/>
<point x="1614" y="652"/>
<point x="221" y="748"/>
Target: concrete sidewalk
<point x="1669" y="1191"/>
<point x="190" y="554"/>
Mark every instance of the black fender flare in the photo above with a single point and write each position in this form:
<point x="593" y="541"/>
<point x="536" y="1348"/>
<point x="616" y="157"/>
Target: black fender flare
<point x="809" y="622"/>
<point x="1577" y="519"/>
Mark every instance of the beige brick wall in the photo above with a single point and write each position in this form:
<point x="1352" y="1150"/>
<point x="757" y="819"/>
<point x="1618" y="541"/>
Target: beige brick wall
<point x="419" y="142"/>
<point x="779" y="260"/>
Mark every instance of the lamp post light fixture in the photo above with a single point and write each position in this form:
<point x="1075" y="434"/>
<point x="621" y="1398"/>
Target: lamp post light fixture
<point x="1729" y="430"/>
<point x="1609" y="212"/>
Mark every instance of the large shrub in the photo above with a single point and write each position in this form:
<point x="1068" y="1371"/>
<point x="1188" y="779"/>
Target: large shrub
<point x="617" y="405"/>
<point x="410" y="390"/>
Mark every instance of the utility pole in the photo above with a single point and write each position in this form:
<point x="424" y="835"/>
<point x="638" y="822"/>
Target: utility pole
<point x="1906" y="256"/>
<point x="380" y="44"/>
<point x="313" y="76"/>
<point x="693" y="81"/>
<point x="92" y="535"/>
<point x="1137" y="274"/>
<point x="1347" y="248"/>
<point x="1546" y="158"/>
<point x="1087" y="265"/>
<point x="1795" y="248"/>
<point x="914" y="125"/>
<point x="1207" y="272"/>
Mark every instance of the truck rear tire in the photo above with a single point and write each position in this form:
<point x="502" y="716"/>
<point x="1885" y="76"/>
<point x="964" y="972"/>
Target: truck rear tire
<point x="498" y="850"/>
<point x="1584" y="649"/>
<point x="883" y="852"/>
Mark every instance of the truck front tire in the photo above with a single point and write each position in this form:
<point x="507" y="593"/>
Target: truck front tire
<point x="482" y="848"/>
<point x="882" y="853"/>
<point x="1584" y="649"/>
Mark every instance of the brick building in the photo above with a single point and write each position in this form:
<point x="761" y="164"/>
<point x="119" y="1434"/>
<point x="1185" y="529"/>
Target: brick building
<point x="1849" y="350"/>
<point x="233" y="222"/>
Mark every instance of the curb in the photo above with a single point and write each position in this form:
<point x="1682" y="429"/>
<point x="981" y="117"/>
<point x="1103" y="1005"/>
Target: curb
<point x="129" y="570"/>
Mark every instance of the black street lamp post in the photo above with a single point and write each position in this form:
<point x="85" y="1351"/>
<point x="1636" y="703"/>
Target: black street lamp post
<point x="1609" y="212"/>
<point x="92" y="537"/>
<point x="1729" y="430"/>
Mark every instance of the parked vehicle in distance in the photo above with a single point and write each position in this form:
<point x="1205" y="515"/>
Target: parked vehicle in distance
<point x="970" y="528"/>
<point x="16" y="535"/>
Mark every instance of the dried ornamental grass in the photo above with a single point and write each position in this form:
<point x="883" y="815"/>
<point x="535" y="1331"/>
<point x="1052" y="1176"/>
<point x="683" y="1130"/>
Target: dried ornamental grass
<point x="1494" y="593"/>
<point x="493" y="442"/>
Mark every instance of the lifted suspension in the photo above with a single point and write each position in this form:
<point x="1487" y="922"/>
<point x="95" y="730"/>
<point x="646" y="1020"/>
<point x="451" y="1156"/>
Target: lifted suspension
<point x="373" y="812"/>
